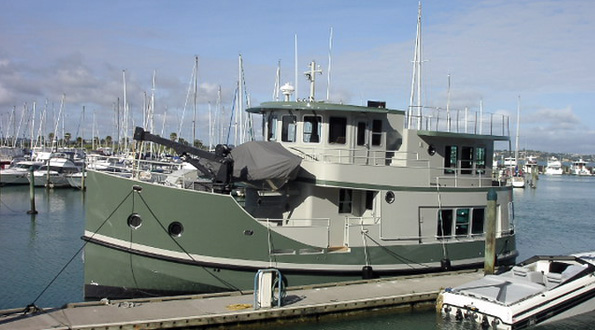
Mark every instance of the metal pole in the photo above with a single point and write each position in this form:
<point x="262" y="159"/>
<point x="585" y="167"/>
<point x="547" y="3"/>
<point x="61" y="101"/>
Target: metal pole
<point x="490" y="245"/>
<point x="32" y="191"/>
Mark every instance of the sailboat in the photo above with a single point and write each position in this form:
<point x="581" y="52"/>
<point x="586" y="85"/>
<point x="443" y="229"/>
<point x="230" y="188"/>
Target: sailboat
<point x="517" y="178"/>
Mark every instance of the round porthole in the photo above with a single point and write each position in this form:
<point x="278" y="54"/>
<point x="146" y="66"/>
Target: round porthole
<point x="390" y="197"/>
<point x="431" y="150"/>
<point x="134" y="220"/>
<point x="175" y="229"/>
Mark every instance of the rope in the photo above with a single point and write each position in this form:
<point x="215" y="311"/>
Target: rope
<point x="408" y="262"/>
<point x="229" y="285"/>
<point x="444" y="251"/>
<point x="32" y="307"/>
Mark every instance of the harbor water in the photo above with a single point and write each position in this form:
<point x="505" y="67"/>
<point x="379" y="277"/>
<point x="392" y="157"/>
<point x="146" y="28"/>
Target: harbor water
<point x="41" y="262"/>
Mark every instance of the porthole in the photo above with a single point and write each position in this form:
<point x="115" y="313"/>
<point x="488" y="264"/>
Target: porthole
<point x="431" y="150"/>
<point x="175" y="229"/>
<point x="134" y="220"/>
<point x="390" y="197"/>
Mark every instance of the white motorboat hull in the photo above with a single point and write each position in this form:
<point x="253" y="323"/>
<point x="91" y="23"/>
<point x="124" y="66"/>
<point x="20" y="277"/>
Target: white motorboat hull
<point x="525" y="296"/>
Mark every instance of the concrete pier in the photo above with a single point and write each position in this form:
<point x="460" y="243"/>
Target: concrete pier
<point x="236" y="309"/>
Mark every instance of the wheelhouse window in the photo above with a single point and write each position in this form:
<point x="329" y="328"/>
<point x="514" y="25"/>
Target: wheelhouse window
<point x="450" y="159"/>
<point x="376" y="132"/>
<point x="345" y="200"/>
<point x="462" y="222"/>
<point x="337" y="130"/>
<point x="288" y="130"/>
<point x="466" y="160"/>
<point x="272" y="128"/>
<point x="312" y="126"/>
<point x="480" y="160"/>
<point x="361" y="133"/>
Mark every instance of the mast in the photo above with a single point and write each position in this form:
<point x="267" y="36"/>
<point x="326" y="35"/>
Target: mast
<point x="311" y="76"/>
<point x="195" y="99"/>
<point x="518" y="131"/>
<point x="240" y="108"/>
<point x="125" y="126"/>
<point x="416" y="78"/>
<point x="328" y="76"/>
<point x="296" y="65"/>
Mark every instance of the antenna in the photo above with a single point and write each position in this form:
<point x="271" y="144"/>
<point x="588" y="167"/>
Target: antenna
<point x="311" y="75"/>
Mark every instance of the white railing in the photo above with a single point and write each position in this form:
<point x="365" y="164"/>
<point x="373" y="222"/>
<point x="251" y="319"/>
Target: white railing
<point x="459" y="121"/>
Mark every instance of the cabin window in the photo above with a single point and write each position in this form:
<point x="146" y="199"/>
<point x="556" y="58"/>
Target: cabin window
<point x="376" y="132"/>
<point x="337" y="130"/>
<point x="345" y="200"/>
<point x="450" y="159"/>
<point x="288" y="129"/>
<point x="478" y="221"/>
<point x="370" y="199"/>
<point x="461" y="222"/>
<point x="444" y="223"/>
<point x="480" y="160"/>
<point x="312" y="125"/>
<point x="361" y="133"/>
<point x="272" y="128"/>
<point x="466" y="160"/>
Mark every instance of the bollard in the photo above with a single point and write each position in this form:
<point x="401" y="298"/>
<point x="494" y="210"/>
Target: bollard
<point x="32" y="191"/>
<point x="490" y="247"/>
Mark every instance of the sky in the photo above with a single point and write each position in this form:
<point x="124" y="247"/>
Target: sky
<point x="68" y="55"/>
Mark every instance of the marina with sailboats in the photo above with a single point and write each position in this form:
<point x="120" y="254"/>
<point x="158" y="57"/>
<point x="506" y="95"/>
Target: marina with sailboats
<point x="294" y="206"/>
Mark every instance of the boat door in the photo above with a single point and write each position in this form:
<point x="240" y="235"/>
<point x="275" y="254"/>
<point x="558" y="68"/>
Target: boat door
<point x="368" y="144"/>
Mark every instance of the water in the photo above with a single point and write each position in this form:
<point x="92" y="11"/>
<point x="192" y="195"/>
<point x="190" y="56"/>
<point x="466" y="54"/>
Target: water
<point x="555" y="218"/>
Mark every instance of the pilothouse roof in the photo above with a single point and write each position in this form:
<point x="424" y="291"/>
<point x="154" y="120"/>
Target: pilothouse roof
<point x="318" y="106"/>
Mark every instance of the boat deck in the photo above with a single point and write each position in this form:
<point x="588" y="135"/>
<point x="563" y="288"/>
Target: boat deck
<point x="229" y="309"/>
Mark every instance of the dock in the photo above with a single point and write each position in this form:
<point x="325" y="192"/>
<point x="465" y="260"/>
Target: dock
<point x="416" y="292"/>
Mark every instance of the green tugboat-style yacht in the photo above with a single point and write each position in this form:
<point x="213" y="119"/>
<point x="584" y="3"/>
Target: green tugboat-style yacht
<point x="334" y="192"/>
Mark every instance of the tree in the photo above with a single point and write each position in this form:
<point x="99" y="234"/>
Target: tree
<point x="67" y="137"/>
<point x="173" y="136"/>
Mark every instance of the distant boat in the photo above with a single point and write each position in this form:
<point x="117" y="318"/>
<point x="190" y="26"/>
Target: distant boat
<point x="17" y="172"/>
<point x="554" y="167"/>
<point x="54" y="173"/>
<point x="579" y="167"/>
<point x="539" y="290"/>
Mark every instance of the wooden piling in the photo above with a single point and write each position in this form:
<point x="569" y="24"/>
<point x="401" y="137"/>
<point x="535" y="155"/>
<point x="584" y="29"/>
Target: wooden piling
<point x="32" y="191"/>
<point x="490" y="242"/>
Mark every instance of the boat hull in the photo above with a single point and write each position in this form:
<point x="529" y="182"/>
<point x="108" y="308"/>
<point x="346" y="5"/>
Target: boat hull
<point x="222" y="246"/>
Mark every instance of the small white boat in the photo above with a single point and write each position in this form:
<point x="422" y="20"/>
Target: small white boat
<point x="539" y="290"/>
<point x="554" y="167"/>
<point x="517" y="181"/>
<point x="55" y="175"/>
<point x="579" y="167"/>
<point x="17" y="173"/>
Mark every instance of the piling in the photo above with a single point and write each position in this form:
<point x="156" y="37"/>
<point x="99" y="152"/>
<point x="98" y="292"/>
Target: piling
<point x="490" y="247"/>
<point x="83" y="175"/>
<point x="32" y="191"/>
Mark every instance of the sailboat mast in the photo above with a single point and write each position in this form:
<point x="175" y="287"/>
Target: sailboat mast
<point x="195" y="99"/>
<point x="328" y="76"/>
<point x="518" y="131"/>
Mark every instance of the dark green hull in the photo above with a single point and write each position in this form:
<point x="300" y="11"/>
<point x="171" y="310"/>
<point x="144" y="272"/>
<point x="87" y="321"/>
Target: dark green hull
<point x="221" y="246"/>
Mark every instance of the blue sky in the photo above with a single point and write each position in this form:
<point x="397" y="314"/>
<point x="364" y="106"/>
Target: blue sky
<point x="493" y="50"/>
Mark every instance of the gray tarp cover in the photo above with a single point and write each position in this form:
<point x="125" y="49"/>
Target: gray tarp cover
<point x="264" y="160"/>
